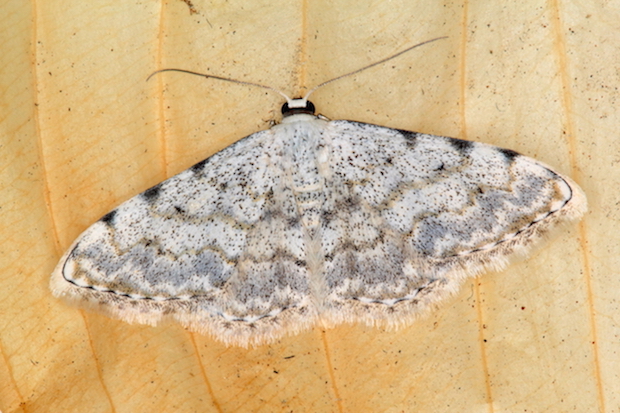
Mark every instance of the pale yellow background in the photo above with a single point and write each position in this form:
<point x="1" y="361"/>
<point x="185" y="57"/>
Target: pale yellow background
<point x="81" y="131"/>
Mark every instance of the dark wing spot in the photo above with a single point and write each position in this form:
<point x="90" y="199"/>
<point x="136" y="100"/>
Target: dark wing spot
<point x="152" y="193"/>
<point x="269" y="194"/>
<point x="270" y="214"/>
<point x="108" y="218"/>
<point x="352" y="202"/>
<point x="349" y="203"/>
<point x="410" y="137"/>
<point x="199" y="166"/>
<point x="348" y="245"/>
<point x="327" y="216"/>
<point x="460" y="145"/>
<point x="509" y="154"/>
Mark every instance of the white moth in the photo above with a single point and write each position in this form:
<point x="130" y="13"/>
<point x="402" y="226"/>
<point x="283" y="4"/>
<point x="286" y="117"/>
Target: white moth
<point x="314" y="222"/>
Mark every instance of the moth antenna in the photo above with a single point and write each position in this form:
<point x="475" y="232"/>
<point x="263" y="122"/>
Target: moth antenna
<point x="226" y="79"/>
<point x="372" y="65"/>
<point x="303" y="101"/>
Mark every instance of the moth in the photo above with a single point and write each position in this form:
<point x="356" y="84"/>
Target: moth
<point x="312" y="222"/>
